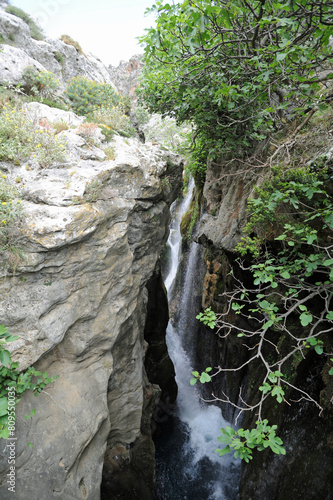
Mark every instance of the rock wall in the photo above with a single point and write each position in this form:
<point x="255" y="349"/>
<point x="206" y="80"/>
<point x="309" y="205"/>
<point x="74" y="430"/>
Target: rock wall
<point x="19" y="50"/>
<point x="77" y="298"/>
<point x="126" y="75"/>
<point x="306" y="470"/>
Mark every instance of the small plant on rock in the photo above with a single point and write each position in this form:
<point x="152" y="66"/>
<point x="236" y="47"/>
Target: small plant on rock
<point x="13" y="384"/>
<point x="10" y="208"/>
<point x="69" y="41"/>
<point x="88" y="131"/>
<point x="39" y="82"/>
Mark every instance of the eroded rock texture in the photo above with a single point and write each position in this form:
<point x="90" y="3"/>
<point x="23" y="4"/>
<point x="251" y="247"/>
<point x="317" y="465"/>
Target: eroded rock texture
<point x="89" y="243"/>
<point x="19" y="50"/>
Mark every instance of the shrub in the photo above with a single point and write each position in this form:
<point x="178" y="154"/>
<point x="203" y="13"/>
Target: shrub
<point x="115" y="119"/>
<point x="69" y="41"/>
<point x="142" y="115"/>
<point x="86" y="95"/>
<point x="107" y="131"/>
<point x="20" y="139"/>
<point x="43" y="82"/>
<point x="35" y="31"/>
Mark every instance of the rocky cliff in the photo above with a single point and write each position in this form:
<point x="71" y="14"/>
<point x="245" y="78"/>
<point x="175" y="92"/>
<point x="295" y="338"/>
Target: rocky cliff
<point x="126" y="75"/>
<point x="306" y="470"/>
<point x="19" y="50"/>
<point x="76" y="295"/>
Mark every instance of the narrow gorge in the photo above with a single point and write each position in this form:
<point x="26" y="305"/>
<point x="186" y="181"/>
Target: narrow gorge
<point x="164" y="296"/>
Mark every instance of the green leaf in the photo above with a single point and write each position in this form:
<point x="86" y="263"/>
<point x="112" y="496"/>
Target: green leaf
<point x="280" y="56"/>
<point x="3" y="407"/>
<point x="319" y="350"/>
<point x="193" y="381"/>
<point x="205" y="378"/>
<point x="285" y="274"/>
<point x="305" y="318"/>
<point x="5" y="357"/>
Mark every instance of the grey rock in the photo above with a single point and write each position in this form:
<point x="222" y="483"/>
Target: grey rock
<point x="20" y="50"/>
<point x="77" y="299"/>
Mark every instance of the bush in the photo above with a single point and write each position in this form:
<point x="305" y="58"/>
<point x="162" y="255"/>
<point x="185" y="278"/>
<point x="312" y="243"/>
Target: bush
<point x="39" y="82"/>
<point x="142" y="115"/>
<point x="115" y="119"/>
<point x="21" y="139"/>
<point x="35" y="31"/>
<point x="86" y="95"/>
<point x="69" y="41"/>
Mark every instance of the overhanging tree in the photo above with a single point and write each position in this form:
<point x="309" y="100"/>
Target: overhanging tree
<point x="236" y="69"/>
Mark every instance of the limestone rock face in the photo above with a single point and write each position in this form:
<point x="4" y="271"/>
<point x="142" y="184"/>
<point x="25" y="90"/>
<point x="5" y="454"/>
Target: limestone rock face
<point x="76" y="296"/>
<point x="226" y="195"/>
<point x="126" y="75"/>
<point x="19" y="50"/>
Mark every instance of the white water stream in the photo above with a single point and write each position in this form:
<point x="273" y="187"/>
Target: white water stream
<point x="195" y="471"/>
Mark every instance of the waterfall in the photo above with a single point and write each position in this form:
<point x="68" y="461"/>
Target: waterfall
<point x="187" y="466"/>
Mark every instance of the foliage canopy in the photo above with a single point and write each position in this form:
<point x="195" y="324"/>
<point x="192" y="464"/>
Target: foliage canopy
<point x="235" y="69"/>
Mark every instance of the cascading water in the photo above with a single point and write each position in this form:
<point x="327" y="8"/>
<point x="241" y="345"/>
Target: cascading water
<point x="187" y="466"/>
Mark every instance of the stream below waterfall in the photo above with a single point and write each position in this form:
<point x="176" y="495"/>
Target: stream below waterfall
<point x="187" y="467"/>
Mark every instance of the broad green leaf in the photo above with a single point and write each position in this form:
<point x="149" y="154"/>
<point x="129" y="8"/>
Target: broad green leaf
<point x="280" y="56"/>
<point x="3" y="406"/>
<point x="305" y="318"/>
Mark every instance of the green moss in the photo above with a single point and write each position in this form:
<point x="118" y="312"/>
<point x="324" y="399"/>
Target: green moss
<point x="191" y="216"/>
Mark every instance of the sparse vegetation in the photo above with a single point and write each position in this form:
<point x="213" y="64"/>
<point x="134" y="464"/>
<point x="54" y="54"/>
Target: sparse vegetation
<point x="113" y="119"/>
<point x="10" y="208"/>
<point x="21" y="138"/>
<point x="42" y="83"/>
<point x="35" y="31"/>
<point x="110" y="153"/>
<point x="69" y="41"/>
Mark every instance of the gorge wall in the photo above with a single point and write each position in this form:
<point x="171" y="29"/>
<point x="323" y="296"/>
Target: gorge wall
<point x="81" y="287"/>
<point x="306" y="470"/>
<point x="77" y="298"/>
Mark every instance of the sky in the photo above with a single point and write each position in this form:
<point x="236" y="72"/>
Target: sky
<point x="107" y="28"/>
